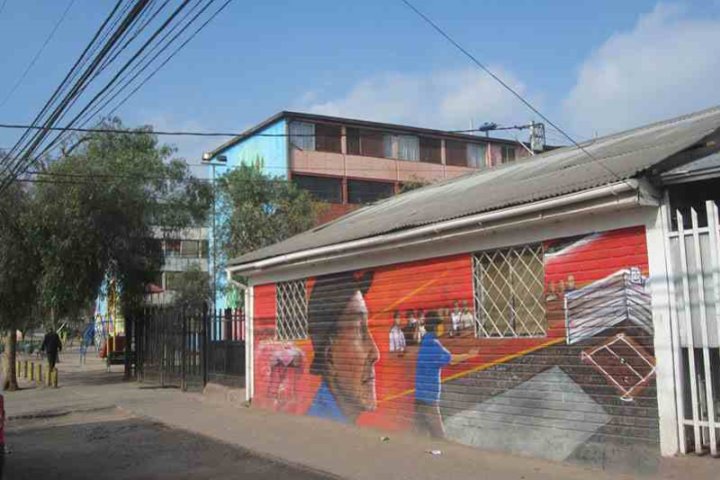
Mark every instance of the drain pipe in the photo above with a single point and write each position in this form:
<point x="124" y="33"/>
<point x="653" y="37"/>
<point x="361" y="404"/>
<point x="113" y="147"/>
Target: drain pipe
<point x="248" y="293"/>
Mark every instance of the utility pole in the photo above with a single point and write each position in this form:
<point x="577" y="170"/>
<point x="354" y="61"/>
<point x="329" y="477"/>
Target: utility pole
<point x="537" y="136"/>
<point x="221" y="160"/>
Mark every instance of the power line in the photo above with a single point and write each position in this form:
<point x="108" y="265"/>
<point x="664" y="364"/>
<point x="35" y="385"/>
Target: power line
<point x="104" y="100"/>
<point x="159" y="67"/>
<point x="517" y="95"/>
<point x="37" y="54"/>
<point x="71" y="73"/>
<point x="127" y="64"/>
<point x="152" y="74"/>
<point x="105" y="57"/>
<point x="119" y="86"/>
<point x="116" y="50"/>
<point x="24" y="155"/>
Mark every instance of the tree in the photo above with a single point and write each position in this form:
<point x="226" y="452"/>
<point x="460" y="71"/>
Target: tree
<point x="98" y="212"/>
<point x="412" y="183"/>
<point x="19" y="270"/>
<point x="258" y="209"/>
<point x="192" y="289"/>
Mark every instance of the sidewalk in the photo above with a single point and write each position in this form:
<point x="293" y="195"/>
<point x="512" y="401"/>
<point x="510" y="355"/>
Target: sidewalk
<point x="342" y="450"/>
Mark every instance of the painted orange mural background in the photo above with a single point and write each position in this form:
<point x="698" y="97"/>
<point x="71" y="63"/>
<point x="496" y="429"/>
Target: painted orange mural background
<point x="431" y="285"/>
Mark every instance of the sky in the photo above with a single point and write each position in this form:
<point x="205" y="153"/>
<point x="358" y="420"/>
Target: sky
<point x="591" y="67"/>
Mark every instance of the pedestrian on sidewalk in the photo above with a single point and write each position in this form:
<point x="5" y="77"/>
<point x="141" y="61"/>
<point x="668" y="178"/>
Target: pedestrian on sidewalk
<point x="51" y="346"/>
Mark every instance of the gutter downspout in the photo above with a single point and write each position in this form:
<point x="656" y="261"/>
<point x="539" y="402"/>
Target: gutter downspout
<point x="608" y="190"/>
<point x="248" y="292"/>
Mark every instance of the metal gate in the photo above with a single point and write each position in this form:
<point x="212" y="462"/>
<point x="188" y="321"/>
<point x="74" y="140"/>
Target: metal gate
<point x="188" y="348"/>
<point x="226" y="348"/>
<point x="693" y="244"/>
<point x="170" y="345"/>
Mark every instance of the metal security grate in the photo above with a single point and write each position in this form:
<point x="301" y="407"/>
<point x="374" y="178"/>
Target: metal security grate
<point x="292" y="310"/>
<point x="694" y="273"/>
<point x="509" y="292"/>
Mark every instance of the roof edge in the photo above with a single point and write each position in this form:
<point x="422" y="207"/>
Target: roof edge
<point x="288" y="114"/>
<point x="236" y="266"/>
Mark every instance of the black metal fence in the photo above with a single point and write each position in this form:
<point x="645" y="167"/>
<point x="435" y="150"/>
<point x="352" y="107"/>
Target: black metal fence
<point x="188" y="348"/>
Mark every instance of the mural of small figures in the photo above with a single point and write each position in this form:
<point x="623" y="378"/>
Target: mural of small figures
<point x="467" y="319"/>
<point x="432" y="357"/>
<point x="411" y="325"/>
<point x="462" y="319"/>
<point x="345" y="353"/>
<point x="397" y="336"/>
<point x="455" y="319"/>
<point x="420" y="330"/>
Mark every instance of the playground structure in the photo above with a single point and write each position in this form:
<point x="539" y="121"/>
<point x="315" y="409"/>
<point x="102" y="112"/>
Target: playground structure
<point x="109" y="325"/>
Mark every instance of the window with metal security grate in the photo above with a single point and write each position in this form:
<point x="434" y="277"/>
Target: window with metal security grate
<point x="292" y="310"/>
<point x="508" y="288"/>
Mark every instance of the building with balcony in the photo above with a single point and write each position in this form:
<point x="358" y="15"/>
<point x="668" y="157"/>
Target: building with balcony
<point x="183" y="251"/>
<point x="348" y="163"/>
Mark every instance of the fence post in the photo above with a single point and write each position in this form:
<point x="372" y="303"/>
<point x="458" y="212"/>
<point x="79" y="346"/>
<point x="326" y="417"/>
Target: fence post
<point x="138" y="345"/>
<point x="128" y="347"/>
<point x="183" y="351"/>
<point x="205" y="331"/>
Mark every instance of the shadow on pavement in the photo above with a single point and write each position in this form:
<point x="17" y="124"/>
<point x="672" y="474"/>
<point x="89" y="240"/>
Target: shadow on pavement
<point x="132" y="448"/>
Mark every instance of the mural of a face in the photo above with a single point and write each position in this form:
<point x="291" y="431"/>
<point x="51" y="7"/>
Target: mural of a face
<point x="351" y="356"/>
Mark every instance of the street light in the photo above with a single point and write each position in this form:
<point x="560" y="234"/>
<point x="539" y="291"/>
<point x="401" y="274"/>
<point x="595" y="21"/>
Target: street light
<point x="221" y="160"/>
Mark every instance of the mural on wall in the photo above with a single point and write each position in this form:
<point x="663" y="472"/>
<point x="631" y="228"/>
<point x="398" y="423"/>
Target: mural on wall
<point x="408" y="347"/>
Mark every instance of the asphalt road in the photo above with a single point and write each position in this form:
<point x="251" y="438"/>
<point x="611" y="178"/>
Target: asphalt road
<point x="111" y="445"/>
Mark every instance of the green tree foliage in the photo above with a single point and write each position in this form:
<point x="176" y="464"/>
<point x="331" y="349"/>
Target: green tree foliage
<point x="193" y="289"/>
<point x="19" y="269"/>
<point x="256" y="210"/>
<point x="99" y="213"/>
<point x="412" y="183"/>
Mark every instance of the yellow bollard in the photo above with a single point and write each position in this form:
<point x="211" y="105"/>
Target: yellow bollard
<point x="32" y="371"/>
<point x="25" y="369"/>
<point x="17" y="367"/>
<point x="54" y="376"/>
<point x="39" y="375"/>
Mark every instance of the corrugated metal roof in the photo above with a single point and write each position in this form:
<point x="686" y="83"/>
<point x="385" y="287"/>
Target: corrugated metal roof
<point x="705" y="167"/>
<point x="562" y="171"/>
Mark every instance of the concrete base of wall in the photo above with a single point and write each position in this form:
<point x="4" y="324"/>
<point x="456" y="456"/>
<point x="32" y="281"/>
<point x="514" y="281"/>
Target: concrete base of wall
<point x="220" y="394"/>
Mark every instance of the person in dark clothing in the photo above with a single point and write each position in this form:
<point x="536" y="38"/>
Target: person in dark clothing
<point x="51" y="345"/>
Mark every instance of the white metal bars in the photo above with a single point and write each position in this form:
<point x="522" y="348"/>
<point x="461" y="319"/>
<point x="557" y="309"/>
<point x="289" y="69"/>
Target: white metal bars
<point x="292" y="310"/>
<point x="695" y="308"/>
<point x="508" y="287"/>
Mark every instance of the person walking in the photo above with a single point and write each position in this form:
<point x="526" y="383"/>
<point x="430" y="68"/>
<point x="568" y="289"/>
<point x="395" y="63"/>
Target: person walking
<point x="51" y="346"/>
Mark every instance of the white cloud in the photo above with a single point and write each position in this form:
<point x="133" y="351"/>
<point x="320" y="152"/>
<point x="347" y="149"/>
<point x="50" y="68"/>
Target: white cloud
<point x="443" y="100"/>
<point x="666" y="65"/>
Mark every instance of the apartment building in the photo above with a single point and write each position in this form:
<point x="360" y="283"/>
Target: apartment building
<point x="184" y="250"/>
<point x="348" y="163"/>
